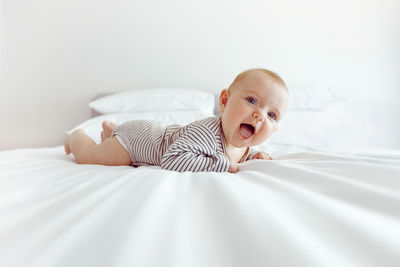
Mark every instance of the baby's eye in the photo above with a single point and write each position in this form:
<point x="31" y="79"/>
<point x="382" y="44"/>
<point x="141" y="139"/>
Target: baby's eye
<point x="251" y="100"/>
<point x="272" y="115"/>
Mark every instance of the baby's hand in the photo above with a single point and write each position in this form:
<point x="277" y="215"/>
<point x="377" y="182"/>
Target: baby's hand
<point x="262" y="155"/>
<point x="233" y="166"/>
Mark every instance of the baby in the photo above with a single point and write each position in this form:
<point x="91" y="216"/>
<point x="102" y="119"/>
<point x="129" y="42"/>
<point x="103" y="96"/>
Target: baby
<point x="251" y="109"/>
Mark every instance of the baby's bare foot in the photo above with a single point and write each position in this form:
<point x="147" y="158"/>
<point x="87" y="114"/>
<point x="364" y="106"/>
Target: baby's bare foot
<point x="108" y="127"/>
<point x="66" y="146"/>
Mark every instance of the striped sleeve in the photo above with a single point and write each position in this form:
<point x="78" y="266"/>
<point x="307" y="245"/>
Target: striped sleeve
<point x="196" y="150"/>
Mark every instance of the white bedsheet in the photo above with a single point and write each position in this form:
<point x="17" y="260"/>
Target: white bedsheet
<point x="302" y="209"/>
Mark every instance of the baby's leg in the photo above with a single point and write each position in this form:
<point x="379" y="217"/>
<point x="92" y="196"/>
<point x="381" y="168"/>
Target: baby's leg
<point x="108" y="127"/>
<point x="110" y="152"/>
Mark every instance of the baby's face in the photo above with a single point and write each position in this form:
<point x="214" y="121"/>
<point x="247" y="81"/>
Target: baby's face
<point x="252" y="109"/>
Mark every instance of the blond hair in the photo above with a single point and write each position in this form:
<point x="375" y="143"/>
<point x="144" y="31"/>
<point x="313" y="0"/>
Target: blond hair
<point x="274" y="77"/>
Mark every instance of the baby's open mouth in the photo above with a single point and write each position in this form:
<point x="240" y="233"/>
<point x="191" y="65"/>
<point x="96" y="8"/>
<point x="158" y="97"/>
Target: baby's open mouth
<point x="246" y="130"/>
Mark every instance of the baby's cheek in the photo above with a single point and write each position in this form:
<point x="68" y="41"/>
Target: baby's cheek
<point x="266" y="133"/>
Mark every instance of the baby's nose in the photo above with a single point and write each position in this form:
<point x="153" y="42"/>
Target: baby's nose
<point x="259" y="115"/>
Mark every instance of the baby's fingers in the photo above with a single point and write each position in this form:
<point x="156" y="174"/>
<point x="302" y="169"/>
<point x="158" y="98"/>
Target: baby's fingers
<point x="233" y="169"/>
<point x="262" y="155"/>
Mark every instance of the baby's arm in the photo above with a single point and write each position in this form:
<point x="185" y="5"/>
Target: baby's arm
<point x="195" y="150"/>
<point x="110" y="152"/>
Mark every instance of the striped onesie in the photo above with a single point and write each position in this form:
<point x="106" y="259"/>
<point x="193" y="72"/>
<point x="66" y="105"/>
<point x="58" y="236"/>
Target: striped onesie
<point x="198" y="146"/>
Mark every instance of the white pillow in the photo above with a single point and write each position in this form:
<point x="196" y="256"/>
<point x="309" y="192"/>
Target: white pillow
<point x="153" y="100"/>
<point x="328" y="130"/>
<point x="92" y="127"/>
<point x="314" y="98"/>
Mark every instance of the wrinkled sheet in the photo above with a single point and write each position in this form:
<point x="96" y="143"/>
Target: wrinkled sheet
<point x="302" y="209"/>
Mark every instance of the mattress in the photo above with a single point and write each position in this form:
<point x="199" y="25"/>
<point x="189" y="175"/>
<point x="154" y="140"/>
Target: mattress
<point x="305" y="208"/>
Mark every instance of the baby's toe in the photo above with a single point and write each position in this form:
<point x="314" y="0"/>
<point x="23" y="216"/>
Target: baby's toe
<point x="102" y="136"/>
<point x="108" y="125"/>
<point x="66" y="146"/>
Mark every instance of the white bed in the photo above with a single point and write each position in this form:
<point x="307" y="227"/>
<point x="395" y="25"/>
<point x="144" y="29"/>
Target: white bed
<point x="302" y="209"/>
<point x="307" y="207"/>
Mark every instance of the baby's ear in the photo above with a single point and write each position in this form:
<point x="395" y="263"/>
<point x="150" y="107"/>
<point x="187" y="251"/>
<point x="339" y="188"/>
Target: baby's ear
<point x="223" y="99"/>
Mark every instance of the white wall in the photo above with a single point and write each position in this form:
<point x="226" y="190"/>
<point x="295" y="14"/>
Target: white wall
<point x="56" y="55"/>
